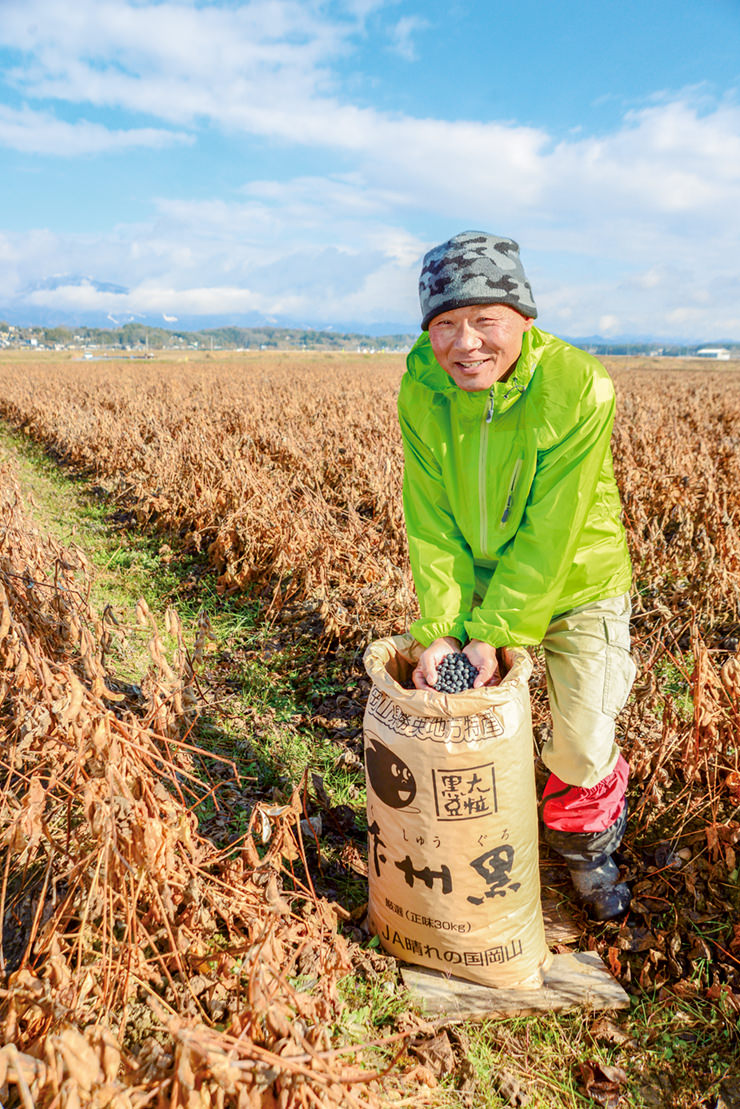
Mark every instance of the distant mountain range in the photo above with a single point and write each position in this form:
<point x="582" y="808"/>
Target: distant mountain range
<point x="25" y="315"/>
<point x="67" y="280"/>
<point x="22" y="312"/>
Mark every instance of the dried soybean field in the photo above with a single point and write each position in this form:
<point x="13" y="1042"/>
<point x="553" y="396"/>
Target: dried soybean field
<point x="285" y="471"/>
<point x="280" y="474"/>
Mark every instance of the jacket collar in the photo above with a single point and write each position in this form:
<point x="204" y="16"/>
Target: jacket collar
<point x="423" y="367"/>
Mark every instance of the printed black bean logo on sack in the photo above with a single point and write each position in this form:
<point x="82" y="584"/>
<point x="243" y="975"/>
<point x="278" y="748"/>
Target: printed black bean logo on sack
<point x="389" y="775"/>
<point x="466" y="793"/>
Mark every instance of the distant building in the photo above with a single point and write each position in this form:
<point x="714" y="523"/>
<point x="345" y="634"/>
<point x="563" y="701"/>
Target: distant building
<point x="720" y="353"/>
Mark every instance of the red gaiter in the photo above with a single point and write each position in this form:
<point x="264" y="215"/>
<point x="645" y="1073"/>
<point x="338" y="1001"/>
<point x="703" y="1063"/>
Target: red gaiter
<point x="574" y="809"/>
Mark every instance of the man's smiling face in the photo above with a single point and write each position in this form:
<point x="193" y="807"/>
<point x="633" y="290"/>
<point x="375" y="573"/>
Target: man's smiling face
<point x="479" y="344"/>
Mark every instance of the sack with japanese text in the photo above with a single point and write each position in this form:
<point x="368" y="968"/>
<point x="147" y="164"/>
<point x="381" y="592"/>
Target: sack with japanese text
<point x="453" y="856"/>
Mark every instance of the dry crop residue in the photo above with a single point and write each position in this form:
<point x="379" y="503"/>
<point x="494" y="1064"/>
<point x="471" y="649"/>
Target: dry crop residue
<point x="286" y="470"/>
<point x="129" y="939"/>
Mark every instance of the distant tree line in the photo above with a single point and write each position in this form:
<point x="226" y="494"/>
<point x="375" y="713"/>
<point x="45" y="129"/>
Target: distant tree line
<point x="224" y="338"/>
<point x="138" y="335"/>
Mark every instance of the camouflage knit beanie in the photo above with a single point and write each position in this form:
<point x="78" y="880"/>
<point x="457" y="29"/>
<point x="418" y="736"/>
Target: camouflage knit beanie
<point x="473" y="268"/>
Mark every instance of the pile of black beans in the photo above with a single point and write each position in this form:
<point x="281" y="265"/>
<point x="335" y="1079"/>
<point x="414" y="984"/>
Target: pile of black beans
<point x="455" y="673"/>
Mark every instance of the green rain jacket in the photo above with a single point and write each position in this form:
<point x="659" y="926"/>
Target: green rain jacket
<point x="512" y="510"/>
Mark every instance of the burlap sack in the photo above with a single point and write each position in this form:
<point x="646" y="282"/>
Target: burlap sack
<point x="452" y="822"/>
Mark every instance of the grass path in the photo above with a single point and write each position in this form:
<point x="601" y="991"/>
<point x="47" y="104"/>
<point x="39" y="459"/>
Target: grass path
<point x="277" y="711"/>
<point x="256" y="684"/>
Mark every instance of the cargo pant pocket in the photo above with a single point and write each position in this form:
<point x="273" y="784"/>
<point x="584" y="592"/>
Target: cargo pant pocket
<point x="620" y="670"/>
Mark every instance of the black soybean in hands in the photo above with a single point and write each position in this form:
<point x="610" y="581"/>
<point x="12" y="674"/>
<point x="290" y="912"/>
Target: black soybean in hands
<point x="455" y="674"/>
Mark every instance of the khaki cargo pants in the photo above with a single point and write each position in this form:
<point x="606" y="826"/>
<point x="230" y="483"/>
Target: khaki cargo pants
<point x="589" y="676"/>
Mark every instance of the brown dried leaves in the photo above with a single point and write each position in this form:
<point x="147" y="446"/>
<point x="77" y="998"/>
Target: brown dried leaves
<point x="114" y="903"/>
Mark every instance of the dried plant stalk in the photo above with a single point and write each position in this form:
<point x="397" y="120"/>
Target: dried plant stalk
<point x="117" y="914"/>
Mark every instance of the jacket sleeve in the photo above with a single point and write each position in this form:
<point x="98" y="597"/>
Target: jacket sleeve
<point x="518" y="604"/>
<point x="441" y="560"/>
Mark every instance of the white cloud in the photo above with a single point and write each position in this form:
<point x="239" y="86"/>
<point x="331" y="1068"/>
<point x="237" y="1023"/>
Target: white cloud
<point x="368" y="302"/>
<point x="680" y="307"/>
<point x="150" y="298"/>
<point x="638" y="226"/>
<point x="402" y="36"/>
<point x="174" y="60"/>
<point x="669" y="159"/>
<point x="284" y="253"/>
<point x="609" y="325"/>
<point x="273" y="256"/>
<point x="39" y="132"/>
<point x="651" y="278"/>
<point x="264" y="68"/>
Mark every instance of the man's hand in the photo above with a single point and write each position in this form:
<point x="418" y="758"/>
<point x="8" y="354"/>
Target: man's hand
<point x="483" y="657"/>
<point x="425" y="674"/>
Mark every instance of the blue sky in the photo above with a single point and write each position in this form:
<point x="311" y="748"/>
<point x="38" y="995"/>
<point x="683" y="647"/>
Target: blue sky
<point x="293" y="159"/>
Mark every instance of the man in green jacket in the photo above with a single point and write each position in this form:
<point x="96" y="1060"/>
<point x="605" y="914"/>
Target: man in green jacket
<point x="515" y="537"/>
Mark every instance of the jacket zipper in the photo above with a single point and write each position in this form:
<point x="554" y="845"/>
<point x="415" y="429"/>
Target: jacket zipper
<point x="482" y="472"/>
<point x="512" y="487"/>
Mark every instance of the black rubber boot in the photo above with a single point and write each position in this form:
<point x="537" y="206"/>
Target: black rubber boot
<point x="593" y="871"/>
